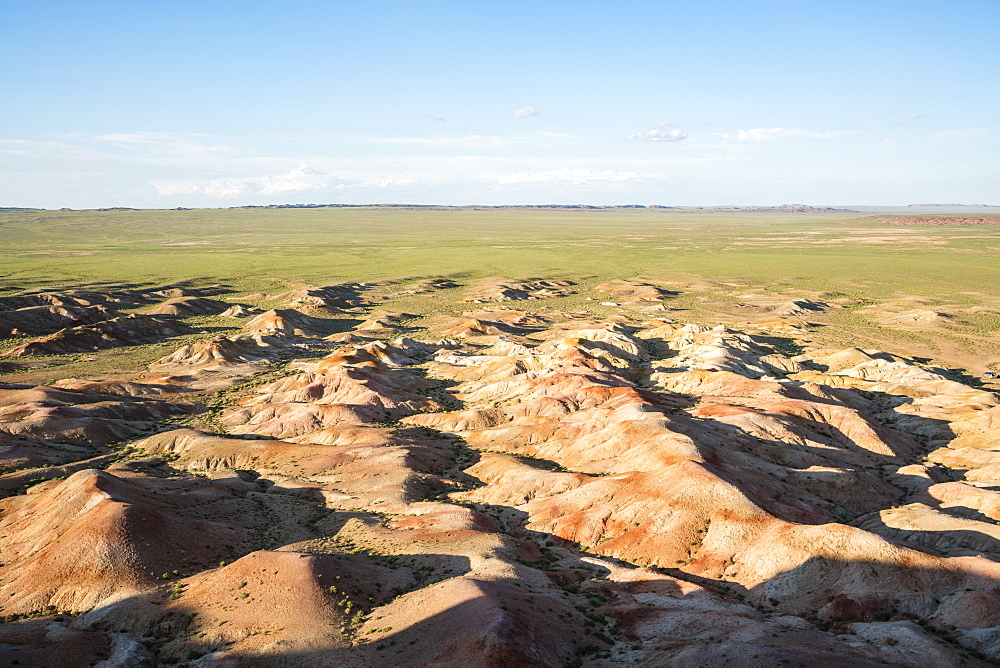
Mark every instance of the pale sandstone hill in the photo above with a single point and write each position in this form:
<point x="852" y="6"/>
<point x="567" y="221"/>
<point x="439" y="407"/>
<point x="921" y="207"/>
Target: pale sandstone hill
<point x="292" y="322"/>
<point x="506" y="291"/>
<point x="94" y="536"/>
<point x="187" y="306"/>
<point x="38" y="320"/>
<point x="226" y="351"/>
<point x="635" y="291"/>
<point x="48" y="425"/>
<point x="239" y="311"/>
<point x="331" y="298"/>
<point x="121" y="331"/>
<point x="425" y="287"/>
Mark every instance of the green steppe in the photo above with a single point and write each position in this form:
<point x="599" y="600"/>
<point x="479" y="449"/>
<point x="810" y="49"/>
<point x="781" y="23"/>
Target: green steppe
<point x="715" y="256"/>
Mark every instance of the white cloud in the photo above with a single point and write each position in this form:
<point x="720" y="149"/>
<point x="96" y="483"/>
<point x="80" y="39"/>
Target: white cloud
<point x="300" y="179"/>
<point x="297" y="180"/>
<point x="472" y="141"/>
<point x="570" y="176"/>
<point x="141" y="148"/>
<point x="225" y="187"/>
<point x="393" y="182"/>
<point x="467" y="141"/>
<point x="25" y="147"/>
<point x="132" y="137"/>
<point x="524" y="112"/>
<point x="770" y="134"/>
<point x="661" y="132"/>
<point x="164" y="145"/>
<point x="964" y="132"/>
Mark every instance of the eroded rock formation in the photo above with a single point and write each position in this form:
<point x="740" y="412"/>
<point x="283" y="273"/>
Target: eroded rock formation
<point x="531" y="489"/>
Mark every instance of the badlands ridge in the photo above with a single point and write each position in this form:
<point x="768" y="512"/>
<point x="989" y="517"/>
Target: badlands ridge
<point x="340" y="486"/>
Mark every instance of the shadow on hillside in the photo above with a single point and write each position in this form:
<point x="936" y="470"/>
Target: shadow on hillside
<point x="503" y="623"/>
<point x="495" y="628"/>
<point x="500" y="626"/>
<point x="939" y="542"/>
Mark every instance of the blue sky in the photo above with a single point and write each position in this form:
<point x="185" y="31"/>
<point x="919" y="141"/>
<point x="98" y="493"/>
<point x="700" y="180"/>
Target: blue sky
<point x="166" y="103"/>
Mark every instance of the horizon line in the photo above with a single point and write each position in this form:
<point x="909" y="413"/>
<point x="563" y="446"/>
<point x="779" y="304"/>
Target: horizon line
<point x="830" y="208"/>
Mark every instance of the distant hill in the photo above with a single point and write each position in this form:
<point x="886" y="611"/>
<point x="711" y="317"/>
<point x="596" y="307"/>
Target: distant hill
<point x="786" y="208"/>
<point x="936" y="220"/>
<point x="992" y="206"/>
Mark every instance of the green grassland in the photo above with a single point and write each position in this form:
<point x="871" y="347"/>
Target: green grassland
<point x="717" y="253"/>
<point x="251" y="246"/>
